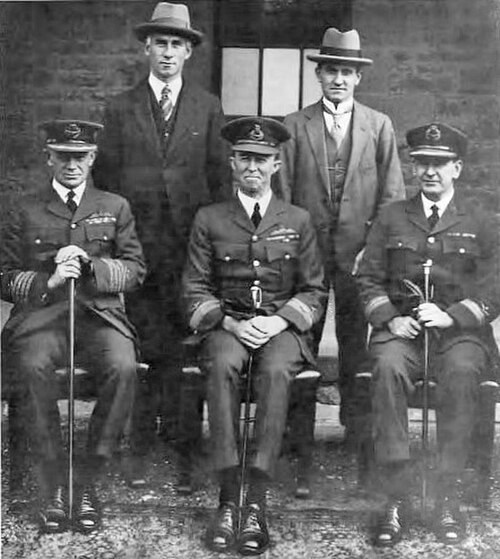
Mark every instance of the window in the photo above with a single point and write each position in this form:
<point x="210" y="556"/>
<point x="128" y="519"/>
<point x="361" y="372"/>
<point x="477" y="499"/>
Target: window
<point x="263" y="50"/>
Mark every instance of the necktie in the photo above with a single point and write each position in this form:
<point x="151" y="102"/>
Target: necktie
<point x="70" y="202"/>
<point x="166" y="103"/>
<point x="256" y="217"/>
<point x="434" y="217"/>
<point x="335" y="130"/>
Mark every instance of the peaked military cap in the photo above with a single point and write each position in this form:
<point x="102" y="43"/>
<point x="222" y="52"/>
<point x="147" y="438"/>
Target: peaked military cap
<point x="70" y="135"/>
<point x="436" y="140"/>
<point x="255" y="134"/>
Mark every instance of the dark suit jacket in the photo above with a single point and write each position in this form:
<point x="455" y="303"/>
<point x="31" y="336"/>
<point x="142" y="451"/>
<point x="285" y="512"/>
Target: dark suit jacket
<point x="103" y="226"/>
<point x="373" y="178"/>
<point x="227" y="255"/>
<point x="463" y="247"/>
<point x="164" y="191"/>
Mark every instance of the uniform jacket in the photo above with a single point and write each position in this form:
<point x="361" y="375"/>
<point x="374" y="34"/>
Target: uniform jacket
<point x="463" y="247"/>
<point x="162" y="189"/>
<point x="227" y="255"/>
<point x="373" y="178"/>
<point x="103" y="226"/>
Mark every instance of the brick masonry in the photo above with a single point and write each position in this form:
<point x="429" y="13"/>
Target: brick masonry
<point x="434" y="59"/>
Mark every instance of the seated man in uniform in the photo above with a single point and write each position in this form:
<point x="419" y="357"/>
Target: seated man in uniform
<point x="253" y="240"/>
<point x="68" y="229"/>
<point x="458" y="240"/>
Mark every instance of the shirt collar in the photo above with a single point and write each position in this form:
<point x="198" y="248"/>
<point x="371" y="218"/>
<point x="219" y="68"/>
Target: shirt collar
<point x="157" y="86"/>
<point x="249" y="202"/>
<point x="62" y="191"/>
<point x="342" y="108"/>
<point x="441" y="204"/>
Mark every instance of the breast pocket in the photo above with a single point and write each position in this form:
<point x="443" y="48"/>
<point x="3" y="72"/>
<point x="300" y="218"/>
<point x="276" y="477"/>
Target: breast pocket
<point x="402" y="254"/>
<point x="461" y="254"/>
<point x="283" y="259"/>
<point x="99" y="237"/>
<point x="43" y="243"/>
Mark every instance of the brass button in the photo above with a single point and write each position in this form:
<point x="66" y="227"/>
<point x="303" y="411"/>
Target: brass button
<point x="73" y="226"/>
<point x="431" y="240"/>
<point x="256" y="263"/>
<point x="255" y="238"/>
<point x="38" y="241"/>
<point x="461" y="250"/>
<point x="400" y="244"/>
<point x="105" y="237"/>
<point x="227" y="258"/>
<point x="287" y="256"/>
<point x="256" y="282"/>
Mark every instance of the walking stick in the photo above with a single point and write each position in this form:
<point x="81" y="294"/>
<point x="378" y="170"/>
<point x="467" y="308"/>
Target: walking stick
<point x="71" y="394"/>
<point x="257" y="301"/>
<point x="427" y="265"/>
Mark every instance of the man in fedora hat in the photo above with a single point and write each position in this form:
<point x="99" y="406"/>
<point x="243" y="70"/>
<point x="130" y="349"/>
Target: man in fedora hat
<point x="342" y="165"/>
<point x="69" y="229"/>
<point x="458" y="241"/>
<point x="161" y="149"/>
<point x="254" y="241"/>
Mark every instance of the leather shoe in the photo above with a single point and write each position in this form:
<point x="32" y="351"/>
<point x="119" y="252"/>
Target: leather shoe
<point x="54" y="516"/>
<point x="221" y="535"/>
<point x="86" y="515"/>
<point x="392" y="523"/>
<point x="450" y="525"/>
<point x="254" y="537"/>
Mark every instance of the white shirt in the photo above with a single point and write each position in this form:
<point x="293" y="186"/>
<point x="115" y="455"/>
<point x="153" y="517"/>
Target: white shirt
<point x="158" y="85"/>
<point x="249" y="203"/>
<point x="63" y="191"/>
<point x="342" y="118"/>
<point x="441" y="204"/>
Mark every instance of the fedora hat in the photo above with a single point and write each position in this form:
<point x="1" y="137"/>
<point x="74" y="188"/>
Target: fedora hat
<point x="341" y="47"/>
<point x="171" y="19"/>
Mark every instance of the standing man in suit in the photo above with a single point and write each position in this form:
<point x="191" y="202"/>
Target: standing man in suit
<point x="68" y="229"/>
<point x="459" y="240"/>
<point x="161" y="148"/>
<point x="253" y="240"/>
<point x="342" y="165"/>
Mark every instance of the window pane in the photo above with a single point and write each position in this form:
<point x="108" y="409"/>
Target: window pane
<point x="240" y="81"/>
<point x="280" y="84"/>
<point x="311" y="90"/>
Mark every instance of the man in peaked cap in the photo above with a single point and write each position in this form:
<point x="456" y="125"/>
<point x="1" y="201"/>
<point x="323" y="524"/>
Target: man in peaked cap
<point x="342" y="166"/>
<point x="69" y="229"/>
<point x="253" y="240"/>
<point x="459" y="240"/>
<point x="161" y="148"/>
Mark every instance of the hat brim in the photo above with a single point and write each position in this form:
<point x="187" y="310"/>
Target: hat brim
<point x="433" y="152"/>
<point x="256" y="148"/>
<point x="144" y="29"/>
<point x="72" y="148"/>
<point x="344" y="59"/>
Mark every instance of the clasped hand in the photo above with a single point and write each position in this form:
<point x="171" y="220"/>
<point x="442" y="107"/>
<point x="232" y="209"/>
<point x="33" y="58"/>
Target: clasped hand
<point x="68" y="261"/>
<point x="429" y="315"/>
<point x="256" y="331"/>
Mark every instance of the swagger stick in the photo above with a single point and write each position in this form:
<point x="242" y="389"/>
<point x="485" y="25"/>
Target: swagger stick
<point x="71" y="395"/>
<point x="257" y="301"/>
<point x="427" y="265"/>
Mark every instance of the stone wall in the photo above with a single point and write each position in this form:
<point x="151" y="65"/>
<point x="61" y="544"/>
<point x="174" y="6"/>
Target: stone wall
<point x="438" y="60"/>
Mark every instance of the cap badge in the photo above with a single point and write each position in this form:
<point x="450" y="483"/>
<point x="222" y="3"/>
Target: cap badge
<point x="433" y="133"/>
<point x="256" y="134"/>
<point x="72" y="131"/>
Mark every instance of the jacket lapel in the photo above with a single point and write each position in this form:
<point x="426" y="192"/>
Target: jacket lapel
<point x="271" y="217"/>
<point x="239" y="215"/>
<point x="451" y="215"/>
<point x="185" y="120"/>
<point x="54" y="204"/>
<point x="144" y="117"/>
<point x="415" y="211"/>
<point x="360" y="135"/>
<point x="316" y="132"/>
<point x="87" y="204"/>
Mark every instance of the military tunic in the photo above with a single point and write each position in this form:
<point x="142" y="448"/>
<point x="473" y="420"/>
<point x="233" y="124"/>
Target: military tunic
<point x="35" y="336"/>
<point x="226" y="257"/>
<point x="465" y="284"/>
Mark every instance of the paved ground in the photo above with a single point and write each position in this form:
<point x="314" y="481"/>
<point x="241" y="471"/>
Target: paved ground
<point x="156" y="523"/>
